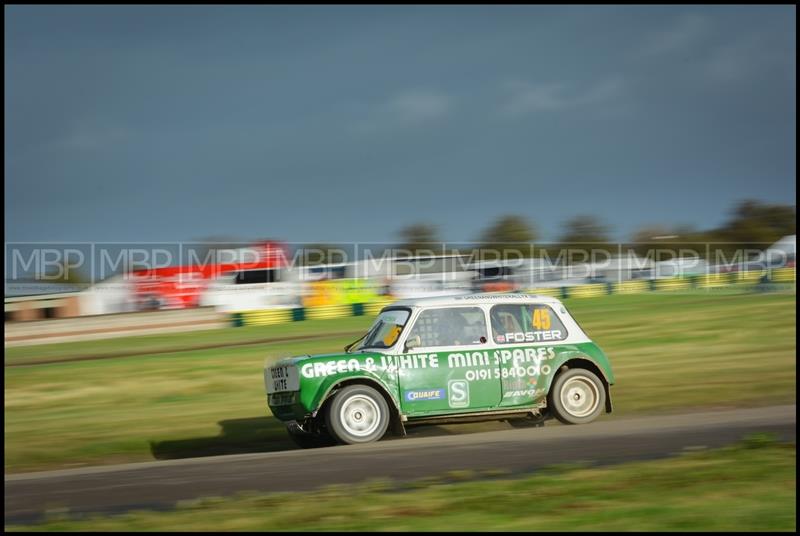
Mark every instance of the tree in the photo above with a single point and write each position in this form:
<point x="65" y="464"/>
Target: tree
<point x="757" y="225"/>
<point x="65" y="274"/>
<point x="584" y="229"/>
<point x="584" y="234"/>
<point x="681" y="240"/>
<point x="420" y="238"/>
<point x="511" y="234"/>
<point x="649" y="233"/>
<point x="510" y="230"/>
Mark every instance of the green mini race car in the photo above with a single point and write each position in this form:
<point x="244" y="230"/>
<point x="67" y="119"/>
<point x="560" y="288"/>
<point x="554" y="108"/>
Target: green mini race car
<point x="513" y="357"/>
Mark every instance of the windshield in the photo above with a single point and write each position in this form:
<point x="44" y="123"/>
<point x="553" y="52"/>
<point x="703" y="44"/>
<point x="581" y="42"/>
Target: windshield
<point x="386" y="329"/>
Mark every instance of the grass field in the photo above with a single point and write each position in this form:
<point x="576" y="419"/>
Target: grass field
<point x="180" y="342"/>
<point x="670" y="353"/>
<point x="747" y="487"/>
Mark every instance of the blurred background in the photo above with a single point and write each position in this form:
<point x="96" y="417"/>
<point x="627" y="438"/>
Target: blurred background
<point x="62" y="280"/>
<point x="192" y="189"/>
<point x="176" y="150"/>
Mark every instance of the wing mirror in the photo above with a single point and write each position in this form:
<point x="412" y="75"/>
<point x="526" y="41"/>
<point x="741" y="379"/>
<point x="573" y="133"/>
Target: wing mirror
<point x="411" y="343"/>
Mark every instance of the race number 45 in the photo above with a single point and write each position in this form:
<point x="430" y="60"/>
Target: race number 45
<point x="541" y="319"/>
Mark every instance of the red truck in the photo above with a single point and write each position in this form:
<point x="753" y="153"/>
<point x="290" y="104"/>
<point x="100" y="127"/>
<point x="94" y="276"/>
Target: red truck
<point x="179" y="287"/>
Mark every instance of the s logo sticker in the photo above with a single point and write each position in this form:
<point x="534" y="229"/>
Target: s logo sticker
<point x="458" y="393"/>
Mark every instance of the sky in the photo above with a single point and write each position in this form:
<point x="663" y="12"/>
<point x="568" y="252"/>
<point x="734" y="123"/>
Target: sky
<point x="346" y="123"/>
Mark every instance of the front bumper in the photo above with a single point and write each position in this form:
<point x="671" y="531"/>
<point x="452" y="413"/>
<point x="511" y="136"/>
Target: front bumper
<point x="287" y="407"/>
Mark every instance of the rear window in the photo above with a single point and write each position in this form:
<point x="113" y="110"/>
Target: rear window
<point x="520" y="323"/>
<point x="495" y="272"/>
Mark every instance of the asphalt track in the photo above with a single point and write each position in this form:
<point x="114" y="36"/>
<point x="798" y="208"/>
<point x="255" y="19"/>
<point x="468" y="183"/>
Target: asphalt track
<point x="160" y="484"/>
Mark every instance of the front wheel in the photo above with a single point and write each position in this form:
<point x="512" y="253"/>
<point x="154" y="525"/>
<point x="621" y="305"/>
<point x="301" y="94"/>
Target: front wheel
<point x="357" y="414"/>
<point x="577" y="396"/>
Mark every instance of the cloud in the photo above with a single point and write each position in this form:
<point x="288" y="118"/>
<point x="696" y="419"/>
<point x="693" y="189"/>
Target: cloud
<point x="80" y="138"/>
<point x="744" y="57"/>
<point x="684" y="32"/>
<point x="719" y="55"/>
<point x="419" y="106"/>
<point x="536" y="97"/>
<point x="84" y="138"/>
<point x="525" y="98"/>
<point x="408" y="108"/>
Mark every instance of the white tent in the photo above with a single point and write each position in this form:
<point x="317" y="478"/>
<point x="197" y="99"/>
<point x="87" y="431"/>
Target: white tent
<point x="782" y="251"/>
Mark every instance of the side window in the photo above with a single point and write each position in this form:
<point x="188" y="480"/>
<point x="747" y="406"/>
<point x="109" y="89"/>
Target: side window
<point x="527" y="322"/>
<point x="250" y="277"/>
<point x="454" y="326"/>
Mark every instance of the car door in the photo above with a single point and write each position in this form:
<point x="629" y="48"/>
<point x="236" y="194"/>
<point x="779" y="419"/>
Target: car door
<point x="527" y="337"/>
<point x="450" y="368"/>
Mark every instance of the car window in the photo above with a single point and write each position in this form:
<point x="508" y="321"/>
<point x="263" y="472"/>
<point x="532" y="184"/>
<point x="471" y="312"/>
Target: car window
<point x="250" y="277"/>
<point x="516" y="323"/>
<point x="454" y="326"/>
<point x="386" y="329"/>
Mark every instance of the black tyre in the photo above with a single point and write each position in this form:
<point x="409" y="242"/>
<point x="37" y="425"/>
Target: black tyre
<point x="577" y="396"/>
<point x="527" y="423"/>
<point x="311" y="440"/>
<point x="357" y="414"/>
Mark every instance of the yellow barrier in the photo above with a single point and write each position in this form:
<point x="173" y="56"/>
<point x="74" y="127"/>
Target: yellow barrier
<point x="748" y="277"/>
<point x="266" y="317"/>
<point x="784" y="274"/>
<point x="587" y="291"/>
<point x="713" y="280"/>
<point x="631" y="287"/>
<point x="329" y="311"/>
<point x="555" y="292"/>
<point x="672" y="284"/>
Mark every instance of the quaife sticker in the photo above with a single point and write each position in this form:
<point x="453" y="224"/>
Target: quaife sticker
<point x="432" y="394"/>
<point x="458" y="393"/>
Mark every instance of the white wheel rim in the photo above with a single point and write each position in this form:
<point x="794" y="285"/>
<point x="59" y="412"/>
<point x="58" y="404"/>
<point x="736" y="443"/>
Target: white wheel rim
<point x="360" y="416"/>
<point x="579" y="396"/>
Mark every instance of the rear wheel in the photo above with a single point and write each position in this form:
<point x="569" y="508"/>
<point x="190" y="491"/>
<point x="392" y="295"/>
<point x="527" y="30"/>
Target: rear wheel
<point x="577" y="396"/>
<point x="357" y="414"/>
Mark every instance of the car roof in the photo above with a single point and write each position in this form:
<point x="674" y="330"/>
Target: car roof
<point x="465" y="299"/>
